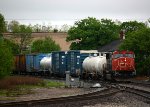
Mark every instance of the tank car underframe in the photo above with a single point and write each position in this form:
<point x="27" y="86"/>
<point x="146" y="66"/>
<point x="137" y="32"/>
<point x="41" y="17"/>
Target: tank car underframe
<point x="93" y="75"/>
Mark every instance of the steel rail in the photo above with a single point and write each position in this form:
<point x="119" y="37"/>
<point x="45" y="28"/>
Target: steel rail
<point x="142" y="93"/>
<point x="133" y="90"/>
<point x="89" y="96"/>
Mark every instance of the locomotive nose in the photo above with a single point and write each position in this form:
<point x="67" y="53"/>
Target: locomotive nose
<point x="123" y="61"/>
<point x="126" y="63"/>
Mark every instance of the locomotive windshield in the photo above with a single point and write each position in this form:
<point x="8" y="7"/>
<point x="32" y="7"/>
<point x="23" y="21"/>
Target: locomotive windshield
<point x="123" y="55"/>
<point x="129" y="55"/>
<point x="118" y="55"/>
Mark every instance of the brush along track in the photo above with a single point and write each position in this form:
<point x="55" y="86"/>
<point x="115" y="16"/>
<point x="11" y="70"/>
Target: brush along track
<point x="88" y="96"/>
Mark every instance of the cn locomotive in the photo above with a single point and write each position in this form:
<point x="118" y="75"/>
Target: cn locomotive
<point x="80" y="63"/>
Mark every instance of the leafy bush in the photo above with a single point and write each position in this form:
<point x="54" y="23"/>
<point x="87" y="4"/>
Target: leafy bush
<point x="55" y="30"/>
<point x="6" y="59"/>
<point x="45" y="46"/>
<point x="14" y="47"/>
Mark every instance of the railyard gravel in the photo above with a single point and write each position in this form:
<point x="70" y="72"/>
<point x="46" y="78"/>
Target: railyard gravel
<point x="118" y="100"/>
<point x="121" y="99"/>
<point x="46" y="93"/>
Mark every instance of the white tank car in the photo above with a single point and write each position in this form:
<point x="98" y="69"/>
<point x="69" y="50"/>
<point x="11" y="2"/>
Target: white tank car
<point x="46" y="63"/>
<point x="94" y="65"/>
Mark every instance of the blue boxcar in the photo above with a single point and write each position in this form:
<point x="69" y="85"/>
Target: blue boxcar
<point x="59" y="63"/>
<point x="73" y="62"/>
<point x="36" y="59"/>
<point x="33" y="62"/>
<point x="29" y="62"/>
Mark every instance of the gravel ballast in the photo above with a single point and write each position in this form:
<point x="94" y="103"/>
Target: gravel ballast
<point x="118" y="100"/>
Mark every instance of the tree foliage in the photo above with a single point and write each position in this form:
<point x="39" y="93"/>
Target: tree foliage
<point x="13" y="46"/>
<point x="45" y="46"/>
<point x="23" y="33"/>
<point x="65" y="28"/>
<point x="6" y="59"/>
<point x="91" y="33"/>
<point x="139" y="42"/>
<point x="2" y="24"/>
<point x="13" y="26"/>
<point x="131" y="26"/>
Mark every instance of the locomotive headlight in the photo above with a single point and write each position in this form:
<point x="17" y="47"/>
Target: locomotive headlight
<point x="125" y="60"/>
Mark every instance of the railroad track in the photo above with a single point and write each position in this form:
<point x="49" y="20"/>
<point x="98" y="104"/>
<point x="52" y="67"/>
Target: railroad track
<point x="134" y="90"/>
<point x="111" y="90"/>
<point x="134" y="82"/>
<point x="93" y="95"/>
<point x="127" y="87"/>
<point x="138" y="92"/>
<point x="145" y="84"/>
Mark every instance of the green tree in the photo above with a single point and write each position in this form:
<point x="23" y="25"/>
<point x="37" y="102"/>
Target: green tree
<point x="139" y="42"/>
<point x="131" y="26"/>
<point x="13" y="26"/>
<point x="55" y="30"/>
<point x="6" y="59"/>
<point x="65" y="28"/>
<point x="2" y="24"/>
<point x="91" y="33"/>
<point x="23" y="33"/>
<point x="14" y="47"/>
<point x="45" y="46"/>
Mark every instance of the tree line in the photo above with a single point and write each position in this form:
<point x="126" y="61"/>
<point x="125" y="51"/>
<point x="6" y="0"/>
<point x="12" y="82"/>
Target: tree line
<point x="10" y="26"/>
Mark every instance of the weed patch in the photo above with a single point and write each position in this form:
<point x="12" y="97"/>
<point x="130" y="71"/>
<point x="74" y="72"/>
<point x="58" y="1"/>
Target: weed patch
<point x="13" y="81"/>
<point x="17" y="85"/>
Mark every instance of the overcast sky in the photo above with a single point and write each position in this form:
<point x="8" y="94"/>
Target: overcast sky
<point x="67" y="11"/>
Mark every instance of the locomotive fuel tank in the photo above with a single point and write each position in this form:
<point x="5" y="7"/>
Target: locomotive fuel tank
<point x="94" y="65"/>
<point x="46" y="63"/>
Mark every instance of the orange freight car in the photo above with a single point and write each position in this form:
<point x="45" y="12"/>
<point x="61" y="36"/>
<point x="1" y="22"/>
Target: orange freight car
<point x="20" y="64"/>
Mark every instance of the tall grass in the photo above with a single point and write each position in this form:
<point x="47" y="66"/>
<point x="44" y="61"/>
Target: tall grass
<point x="13" y="81"/>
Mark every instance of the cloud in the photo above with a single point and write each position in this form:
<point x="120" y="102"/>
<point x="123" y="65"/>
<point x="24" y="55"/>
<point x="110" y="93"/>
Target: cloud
<point x="75" y="9"/>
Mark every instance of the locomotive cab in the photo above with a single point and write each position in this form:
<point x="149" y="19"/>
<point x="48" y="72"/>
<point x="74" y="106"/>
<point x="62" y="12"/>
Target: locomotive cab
<point x="123" y="63"/>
